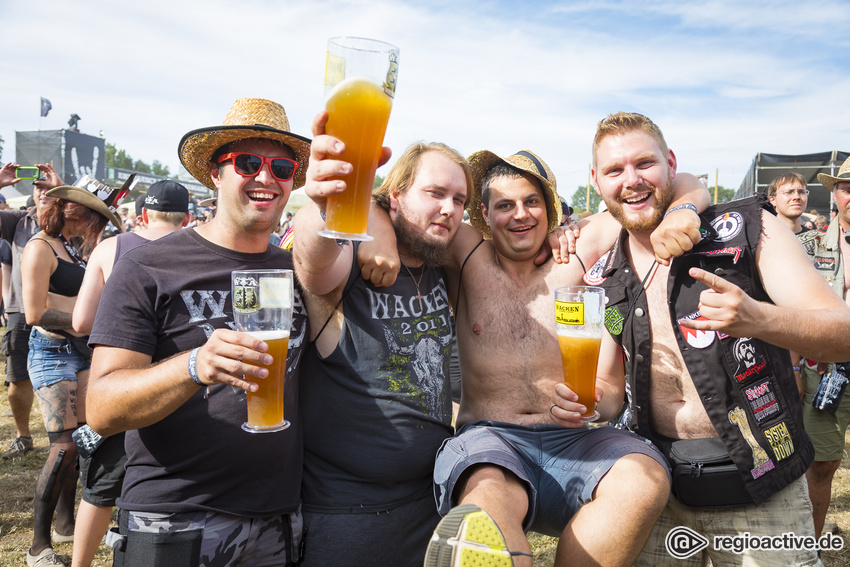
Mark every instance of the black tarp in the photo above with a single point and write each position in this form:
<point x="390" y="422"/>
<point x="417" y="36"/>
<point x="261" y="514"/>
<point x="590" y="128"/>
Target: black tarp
<point x="766" y="167"/>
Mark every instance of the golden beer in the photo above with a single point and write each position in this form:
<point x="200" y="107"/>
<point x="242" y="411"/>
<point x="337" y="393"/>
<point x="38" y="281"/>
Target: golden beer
<point x="265" y="406"/>
<point x="358" y="112"/>
<point x="579" y="356"/>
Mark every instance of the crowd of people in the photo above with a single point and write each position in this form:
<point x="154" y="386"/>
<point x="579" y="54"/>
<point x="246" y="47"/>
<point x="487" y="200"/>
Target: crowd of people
<point x="713" y="359"/>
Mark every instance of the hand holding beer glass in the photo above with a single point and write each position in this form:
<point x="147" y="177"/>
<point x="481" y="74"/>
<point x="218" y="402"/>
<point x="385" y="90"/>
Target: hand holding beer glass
<point x="579" y="316"/>
<point x="262" y="307"/>
<point x="360" y="81"/>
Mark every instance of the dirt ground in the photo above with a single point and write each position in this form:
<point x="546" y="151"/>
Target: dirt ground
<point x="17" y="484"/>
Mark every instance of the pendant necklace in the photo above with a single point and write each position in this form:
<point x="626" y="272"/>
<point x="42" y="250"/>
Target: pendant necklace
<point x="416" y="283"/>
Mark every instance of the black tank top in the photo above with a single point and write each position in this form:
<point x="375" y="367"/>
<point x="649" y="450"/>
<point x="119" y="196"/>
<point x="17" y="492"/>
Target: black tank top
<point x="67" y="278"/>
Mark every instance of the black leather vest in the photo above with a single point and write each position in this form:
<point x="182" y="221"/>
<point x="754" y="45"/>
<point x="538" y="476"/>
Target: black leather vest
<point x="746" y="385"/>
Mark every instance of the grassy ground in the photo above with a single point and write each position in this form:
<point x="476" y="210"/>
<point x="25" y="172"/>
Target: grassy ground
<point x="17" y="484"/>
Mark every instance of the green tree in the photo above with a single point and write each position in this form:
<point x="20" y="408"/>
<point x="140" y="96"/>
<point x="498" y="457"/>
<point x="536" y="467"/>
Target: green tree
<point x="141" y="166"/>
<point x="159" y="169"/>
<point x="579" y="200"/>
<point x="1" y="149"/>
<point x="724" y="195"/>
<point x="378" y="180"/>
<point x="117" y="158"/>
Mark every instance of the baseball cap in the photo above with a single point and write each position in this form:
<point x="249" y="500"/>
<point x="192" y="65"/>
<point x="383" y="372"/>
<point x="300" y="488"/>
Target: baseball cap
<point x="167" y="196"/>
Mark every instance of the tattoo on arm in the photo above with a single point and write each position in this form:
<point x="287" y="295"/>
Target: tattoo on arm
<point x="52" y="319"/>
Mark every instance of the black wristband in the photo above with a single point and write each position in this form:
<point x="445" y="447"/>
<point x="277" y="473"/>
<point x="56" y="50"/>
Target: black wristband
<point x="690" y="206"/>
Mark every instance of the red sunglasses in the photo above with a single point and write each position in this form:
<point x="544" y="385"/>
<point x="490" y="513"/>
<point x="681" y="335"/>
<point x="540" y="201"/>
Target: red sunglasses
<point x="249" y="165"/>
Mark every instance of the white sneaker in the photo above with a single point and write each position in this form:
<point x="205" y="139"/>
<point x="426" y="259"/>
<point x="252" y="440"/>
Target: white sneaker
<point x="46" y="558"/>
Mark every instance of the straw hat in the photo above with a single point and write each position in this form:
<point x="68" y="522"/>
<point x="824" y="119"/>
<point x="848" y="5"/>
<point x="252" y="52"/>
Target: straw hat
<point x="248" y="118"/>
<point x="829" y="181"/>
<point x="481" y="162"/>
<point x="96" y="196"/>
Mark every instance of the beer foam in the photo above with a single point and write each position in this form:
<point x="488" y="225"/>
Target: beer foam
<point x="358" y="82"/>
<point x="266" y="336"/>
<point x="581" y="333"/>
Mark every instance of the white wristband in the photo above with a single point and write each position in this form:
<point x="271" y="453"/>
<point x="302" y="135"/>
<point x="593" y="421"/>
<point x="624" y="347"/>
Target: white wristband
<point x="193" y="367"/>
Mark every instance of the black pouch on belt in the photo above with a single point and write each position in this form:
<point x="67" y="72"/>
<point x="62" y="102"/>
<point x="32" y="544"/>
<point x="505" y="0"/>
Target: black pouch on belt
<point x="704" y="475"/>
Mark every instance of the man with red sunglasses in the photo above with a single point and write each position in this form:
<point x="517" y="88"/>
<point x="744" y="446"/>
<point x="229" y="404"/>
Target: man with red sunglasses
<point x="169" y="370"/>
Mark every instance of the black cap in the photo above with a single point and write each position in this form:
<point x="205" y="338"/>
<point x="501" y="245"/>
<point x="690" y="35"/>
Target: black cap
<point x="167" y="196"/>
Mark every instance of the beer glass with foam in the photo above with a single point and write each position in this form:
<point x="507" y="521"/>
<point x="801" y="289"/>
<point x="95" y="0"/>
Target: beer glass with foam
<point x="579" y="315"/>
<point x="262" y="307"/>
<point x="360" y="81"/>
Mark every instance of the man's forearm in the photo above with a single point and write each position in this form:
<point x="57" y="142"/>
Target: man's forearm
<point x="120" y="400"/>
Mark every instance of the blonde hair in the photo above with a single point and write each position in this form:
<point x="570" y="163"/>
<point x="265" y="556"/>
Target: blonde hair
<point x="404" y="170"/>
<point x="624" y="123"/>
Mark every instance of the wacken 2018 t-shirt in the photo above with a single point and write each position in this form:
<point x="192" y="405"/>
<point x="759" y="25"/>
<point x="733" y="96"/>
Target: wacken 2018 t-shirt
<point x="167" y="297"/>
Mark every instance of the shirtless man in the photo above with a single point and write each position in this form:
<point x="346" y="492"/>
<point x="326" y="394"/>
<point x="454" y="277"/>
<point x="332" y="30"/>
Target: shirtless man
<point x="605" y="486"/>
<point x="702" y="364"/>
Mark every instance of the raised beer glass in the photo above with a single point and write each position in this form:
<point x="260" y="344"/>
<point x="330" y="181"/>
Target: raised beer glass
<point x="579" y="317"/>
<point x="262" y="307"/>
<point x="360" y="81"/>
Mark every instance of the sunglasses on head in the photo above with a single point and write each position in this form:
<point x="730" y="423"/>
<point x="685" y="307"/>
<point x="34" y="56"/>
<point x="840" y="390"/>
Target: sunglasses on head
<point x="249" y="165"/>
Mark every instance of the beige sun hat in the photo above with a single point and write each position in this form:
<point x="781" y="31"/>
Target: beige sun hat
<point x="829" y="181"/>
<point x="247" y="118"/>
<point x="96" y="196"/>
<point x="528" y="162"/>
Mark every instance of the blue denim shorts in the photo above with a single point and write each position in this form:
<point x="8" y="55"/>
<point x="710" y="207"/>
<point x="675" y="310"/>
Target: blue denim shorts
<point x="560" y="467"/>
<point x="52" y="360"/>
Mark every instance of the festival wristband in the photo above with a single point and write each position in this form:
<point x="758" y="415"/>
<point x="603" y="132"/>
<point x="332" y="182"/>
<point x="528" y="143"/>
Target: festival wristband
<point x="690" y="206"/>
<point x="795" y="368"/>
<point x="193" y="367"/>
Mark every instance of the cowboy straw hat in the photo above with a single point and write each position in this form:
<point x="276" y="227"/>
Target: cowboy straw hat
<point x="829" y="181"/>
<point x="247" y="118"/>
<point x="96" y="196"/>
<point x="481" y="162"/>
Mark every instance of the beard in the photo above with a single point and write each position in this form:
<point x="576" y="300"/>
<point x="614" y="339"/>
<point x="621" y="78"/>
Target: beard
<point x="648" y="223"/>
<point x="419" y="245"/>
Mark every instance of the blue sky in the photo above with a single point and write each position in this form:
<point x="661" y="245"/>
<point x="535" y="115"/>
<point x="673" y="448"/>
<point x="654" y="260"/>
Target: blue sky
<point x="723" y="79"/>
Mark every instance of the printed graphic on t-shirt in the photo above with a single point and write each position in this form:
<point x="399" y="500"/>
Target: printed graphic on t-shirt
<point x="418" y="337"/>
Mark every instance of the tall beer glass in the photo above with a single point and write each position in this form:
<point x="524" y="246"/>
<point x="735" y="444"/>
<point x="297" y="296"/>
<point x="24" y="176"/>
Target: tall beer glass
<point x="262" y="307"/>
<point x="360" y="81"/>
<point x="579" y="316"/>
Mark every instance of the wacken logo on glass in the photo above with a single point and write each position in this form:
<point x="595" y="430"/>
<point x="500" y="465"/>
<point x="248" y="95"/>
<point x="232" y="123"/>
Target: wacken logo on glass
<point x="246" y="297"/>
<point x="683" y="542"/>
<point x="262" y="307"/>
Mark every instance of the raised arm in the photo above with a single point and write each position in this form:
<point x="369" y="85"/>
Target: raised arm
<point x="807" y="316"/>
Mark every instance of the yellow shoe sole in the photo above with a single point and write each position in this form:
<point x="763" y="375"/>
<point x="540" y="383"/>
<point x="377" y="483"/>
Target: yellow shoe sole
<point x="467" y="537"/>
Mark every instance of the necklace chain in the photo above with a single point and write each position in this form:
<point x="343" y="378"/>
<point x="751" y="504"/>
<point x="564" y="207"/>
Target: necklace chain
<point x="416" y="283"/>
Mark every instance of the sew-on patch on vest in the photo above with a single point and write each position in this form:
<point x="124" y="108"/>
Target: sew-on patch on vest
<point x="614" y="321"/>
<point x="761" y="462"/>
<point x="762" y="400"/>
<point x="695" y="337"/>
<point x="751" y="363"/>
<point x="823" y="263"/>
<point x="734" y="251"/>
<point x="780" y="441"/>
<point x="727" y="226"/>
<point x="594" y="274"/>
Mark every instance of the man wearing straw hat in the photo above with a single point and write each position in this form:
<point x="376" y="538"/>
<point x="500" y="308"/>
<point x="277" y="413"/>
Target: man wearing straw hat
<point x="598" y="489"/>
<point x="827" y="415"/>
<point x="702" y="343"/>
<point x="169" y="370"/>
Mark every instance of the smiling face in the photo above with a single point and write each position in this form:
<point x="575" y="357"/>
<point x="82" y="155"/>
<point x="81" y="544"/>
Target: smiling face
<point x="515" y="211"/>
<point x="841" y="193"/>
<point x="427" y="214"/>
<point x="251" y="204"/>
<point x="634" y="177"/>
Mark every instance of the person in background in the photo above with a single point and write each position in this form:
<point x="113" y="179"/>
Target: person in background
<point x="58" y="361"/>
<point x="17" y="227"/>
<point x="164" y="211"/>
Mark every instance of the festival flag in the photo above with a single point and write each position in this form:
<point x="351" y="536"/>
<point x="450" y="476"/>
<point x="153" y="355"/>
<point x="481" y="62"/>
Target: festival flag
<point x="45" y="106"/>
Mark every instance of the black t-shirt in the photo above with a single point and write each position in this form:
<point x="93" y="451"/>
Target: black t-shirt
<point x="378" y="407"/>
<point x="166" y="297"/>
